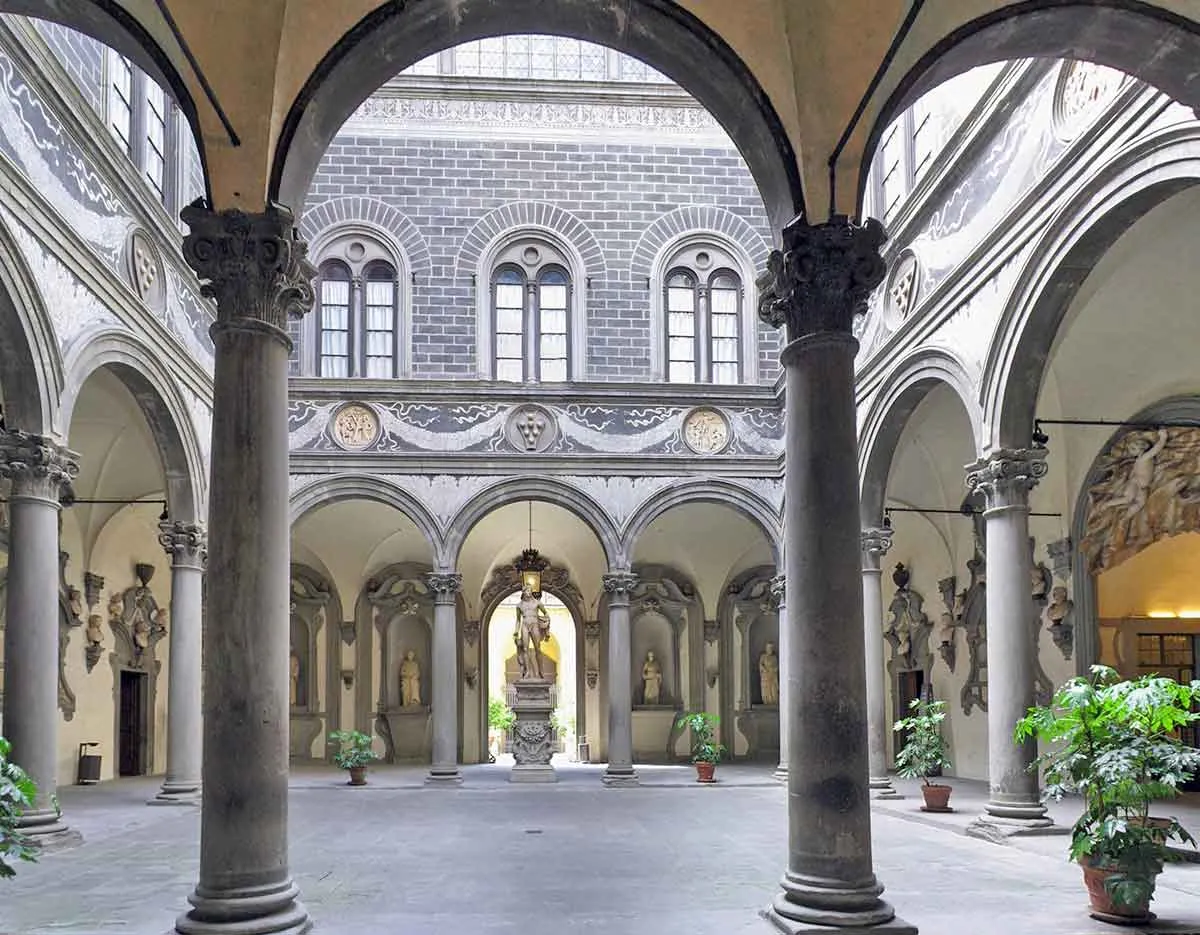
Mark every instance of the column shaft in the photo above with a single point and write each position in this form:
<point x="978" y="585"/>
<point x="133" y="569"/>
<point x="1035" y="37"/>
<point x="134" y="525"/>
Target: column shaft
<point x="779" y="593"/>
<point x="444" y="770"/>
<point x="875" y="543"/>
<point x="40" y="472"/>
<point x="257" y="273"/>
<point x="620" y="771"/>
<point x="184" y="542"/>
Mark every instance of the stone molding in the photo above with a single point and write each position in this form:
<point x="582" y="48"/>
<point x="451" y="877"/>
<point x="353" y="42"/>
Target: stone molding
<point x="254" y="265"/>
<point x="186" y="543"/>
<point x="1007" y="475"/>
<point x="444" y="585"/>
<point x="619" y="585"/>
<point x="821" y="280"/>
<point x="876" y="541"/>
<point x="37" y="466"/>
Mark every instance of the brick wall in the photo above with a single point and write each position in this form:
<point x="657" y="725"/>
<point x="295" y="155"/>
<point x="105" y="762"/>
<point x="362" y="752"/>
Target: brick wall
<point x="617" y="191"/>
<point x="81" y="56"/>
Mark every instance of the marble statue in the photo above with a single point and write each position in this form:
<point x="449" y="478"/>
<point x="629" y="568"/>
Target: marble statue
<point x="294" y="680"/>
<point x="651" y="680"/>
<point x="533" y="628"/>
<point x="1056" y="616"/>
<point x="410" y="680"/>
<point x="768" y="674"/>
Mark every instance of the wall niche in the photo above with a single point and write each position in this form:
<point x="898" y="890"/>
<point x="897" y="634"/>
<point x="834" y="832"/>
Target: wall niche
<point x="310" y="594"/>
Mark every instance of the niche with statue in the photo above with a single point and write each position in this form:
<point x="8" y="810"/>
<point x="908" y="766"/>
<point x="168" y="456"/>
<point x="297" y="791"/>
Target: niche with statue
<point x="658" y="610"/>
<point x="310" y="595"/>
<point x="755" y="610"/>
<point x="402" y="609"/>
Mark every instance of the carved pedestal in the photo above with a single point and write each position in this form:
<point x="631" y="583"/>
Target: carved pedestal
<point x="532" y="735"/>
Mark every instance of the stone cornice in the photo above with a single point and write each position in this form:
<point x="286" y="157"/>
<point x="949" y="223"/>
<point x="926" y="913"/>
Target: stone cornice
<point x="627" y="93"/>
<point x="327" y="463"/>
<point x="476" y="391"/>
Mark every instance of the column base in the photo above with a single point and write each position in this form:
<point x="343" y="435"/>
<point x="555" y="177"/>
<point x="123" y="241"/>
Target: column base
<point x="1001" y="822"/>
<point x="448" y="778"/>
<point x="533" y="772"/>
<point x="781" y="773"/>
<point x="174" y="793"/>
<point x="812" y="904"/>
<point x="257" y="910"/>
<point x="621" y="777"/>
<point x="883" y="789"/>
<point x="52" y="838"/>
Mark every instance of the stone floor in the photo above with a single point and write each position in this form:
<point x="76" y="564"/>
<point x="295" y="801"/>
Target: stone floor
<point x="667" y="858"/>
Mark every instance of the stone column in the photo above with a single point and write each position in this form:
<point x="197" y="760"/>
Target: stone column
<point x="254" y="266"/>
<point x="445" y="588"/>
<point x="185" y="543"/>
<point x="779" y="593"/>
<point x="620" y="772"/>
<point x="875" y="543"/>
<point x="41" y="473"/>
<point x="1005" y="479"/>
<point x="816" y="286"/>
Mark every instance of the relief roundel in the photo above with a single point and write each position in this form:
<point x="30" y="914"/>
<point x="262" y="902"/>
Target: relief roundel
<point x="531" y="428"/>
<point x="355" y="427"/>
<point x="706" y="431"/>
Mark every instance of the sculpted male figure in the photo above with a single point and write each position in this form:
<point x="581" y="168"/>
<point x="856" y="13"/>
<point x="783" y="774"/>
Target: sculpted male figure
<point x="533" y="628"/>
<point x="410" y="680"/>
<point x="768" y="674"/>
<point x="651" y="680"/>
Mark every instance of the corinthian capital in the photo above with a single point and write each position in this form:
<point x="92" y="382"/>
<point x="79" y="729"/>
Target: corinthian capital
<point x="823" y="276"/>
<point x="778" y="587"/>
<point x="876" y="540"/>
<point x="37" y="466"/>
<point x="186" y="543"/>
<point x="1006" y="476"/>
<point x="445" y="586"/>
<point x="618" y="585"/>
<point x="254" y="265"/>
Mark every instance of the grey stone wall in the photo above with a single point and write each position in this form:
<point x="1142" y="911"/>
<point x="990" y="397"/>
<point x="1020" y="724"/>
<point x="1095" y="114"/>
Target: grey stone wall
<point x="81" y="56"/>
<point x="617" y="190"/>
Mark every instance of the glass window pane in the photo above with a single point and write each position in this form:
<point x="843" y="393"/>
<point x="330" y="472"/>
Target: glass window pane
<point x="725" y="326"/>
<point x="724" y="350"/>
<point x="554" y="321"/>
<point x="681" y="300"/>
<point x="508" y="320"/>
<point x="725" y="374"/>
<point x="379" y="368"/>
<point x="682" y="349"/>
<point x="120" y="99"/>
<point x="682" y="324"/>
<point x="334" y="367"/>
<point x="379" y="292"/>
<point x="510" y="370"/>
<point x="554" y="371"/>
<point x="553" y="296"/>
<point x="335" y="292"/>
<point x="510" y="296"/>
<point x="679" y="372"/>
<point x="724" y="300"/>
<point x="553" y="345"/>
<point x="508" y="346"/>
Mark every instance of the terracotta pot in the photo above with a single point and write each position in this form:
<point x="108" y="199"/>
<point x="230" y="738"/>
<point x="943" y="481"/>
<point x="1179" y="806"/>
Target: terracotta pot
<point x="937" y="797"/>
<point x="1101" y="902"/>
<point x="358" y="775"/>
<point x="704" y="771"/>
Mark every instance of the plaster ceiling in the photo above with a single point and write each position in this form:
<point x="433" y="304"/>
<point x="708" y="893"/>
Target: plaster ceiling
<point x="1160" y="578"/>
<point x="708" y="542"/>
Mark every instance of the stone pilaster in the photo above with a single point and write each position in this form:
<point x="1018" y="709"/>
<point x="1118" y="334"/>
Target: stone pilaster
<point x="619" y="585"/>
<point x="875" y="543"/>
<point x="816" y="286"/>
<point x="41" y="472"/>
<point x="445" y="587"/>
<point x="1005" y="478"/>
<point x="186" y="545"/>
<point x="254" y="266"/>
<point x="779" y="596"/>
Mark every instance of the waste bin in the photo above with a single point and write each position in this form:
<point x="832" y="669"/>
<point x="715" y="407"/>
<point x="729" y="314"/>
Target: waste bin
<point x="89" y="765"/>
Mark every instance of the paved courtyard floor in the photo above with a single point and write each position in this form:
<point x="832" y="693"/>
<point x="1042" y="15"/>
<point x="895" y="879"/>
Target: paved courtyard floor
<point x="667" y="858"/>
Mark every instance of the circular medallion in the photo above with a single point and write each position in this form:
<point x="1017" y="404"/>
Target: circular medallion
<point x="1083" y="90"/>
<point x="531" y="255"/>
<point x="706" y="431"/>
<point x="355" y="427"/>
<point x="355" y="251"/>
<point x="145" y="271"/>
<point x="531" y="428"/>
<point x="902" y="288"/>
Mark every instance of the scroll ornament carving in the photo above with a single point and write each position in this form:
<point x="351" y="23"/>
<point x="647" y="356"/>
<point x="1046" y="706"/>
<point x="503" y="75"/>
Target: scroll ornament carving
<point x="618" y="585"/>
<point x="876" y="542"/>
<point x="254" y="265"/>
<point x="445" y="586"/>
<point x="823" y="277"/>
<point x="1007" y="475"/>
<point x="593" y="678"/>
<point x="532" y="742"/>
<point x="184" y="542"/>
<point x="136" y="619"/>
<point x="591" y="631"/>
<point x="37" y="466"/>
<point x="1147" y="488"/>
<point x="908" y="628"/>
<point x="507" y="578"/>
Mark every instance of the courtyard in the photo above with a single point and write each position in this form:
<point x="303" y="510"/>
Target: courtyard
<point x="665" y="857"/>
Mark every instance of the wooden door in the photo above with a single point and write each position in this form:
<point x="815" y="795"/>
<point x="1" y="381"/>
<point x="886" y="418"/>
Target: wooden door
<point x="131" y="745"/>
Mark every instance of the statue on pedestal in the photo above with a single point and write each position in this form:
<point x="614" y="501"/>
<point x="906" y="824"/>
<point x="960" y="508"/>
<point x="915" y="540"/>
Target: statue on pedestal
<point x="533" y="628"/>
<point x="410" y="681"/>
<point x="768" y="674"/>
<point x="294" y="680"/>
<point x="651" y="680"/>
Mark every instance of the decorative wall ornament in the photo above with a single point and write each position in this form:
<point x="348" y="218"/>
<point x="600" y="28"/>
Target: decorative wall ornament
<point x="70" y="617"/>
<point x="1082" y="92"/>
<point x="945" y="631"/>
<point x="1058" y="619"/>
<point x="471" y="629"/>
<point x="712" y="676"/>
<point x="347" y="678"/>
<point x="355" y="427"/>
<point x="903" y="286"/>
<point x="706" y="431"/>
<point x="591" y="631"/>
<point x="145" y="271"/>
<point x="532" y="742"/>
<point x="593" y="677"/>
<point x="348" y="630"/>
<point x="712" y="631"/>
<point x="471" y="677"/>
<point x="137" y="621"/>
<point x="908" y="628"/>
<point x="1147" y="488"/>
<point x="1059" y="552"/>
<point x="970" y="611"/>
<point x="531" y="428"/>
<point x="93" y="647"/>
<point x="1040" y="582"/>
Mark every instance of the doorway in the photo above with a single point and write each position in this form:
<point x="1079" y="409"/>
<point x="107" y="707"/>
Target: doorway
<point x="131" y="740"/>
<point x="910" y="683"/>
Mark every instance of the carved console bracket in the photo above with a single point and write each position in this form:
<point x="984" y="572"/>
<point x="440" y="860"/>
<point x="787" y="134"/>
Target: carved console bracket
<point x="348" y="630"/>
<point x="93" y="648"/>
<point x="70" y="617"/>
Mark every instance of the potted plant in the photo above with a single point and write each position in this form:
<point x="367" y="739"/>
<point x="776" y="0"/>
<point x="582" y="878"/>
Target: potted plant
<point x="706" y="752"/>
<point x="924" y="752"/>
<point x="1116" y="744"/>
<point x="17" y="792"/>
<point x="354" y="754"/>
<point x="501" y="719"/>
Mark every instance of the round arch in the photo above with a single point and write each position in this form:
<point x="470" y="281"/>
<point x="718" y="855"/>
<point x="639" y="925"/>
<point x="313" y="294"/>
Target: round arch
<point x="161" y="401"/>
<point x="31" y="369"/>
<point x="905" y="386"/>
<point x="338" y="487"/>
<point x="659" y="32"/>
<point x="709" y="490"/>
<point x="540" y="489"/>
<point x="1122" y="191"/>
<point x="1139" y="38"/>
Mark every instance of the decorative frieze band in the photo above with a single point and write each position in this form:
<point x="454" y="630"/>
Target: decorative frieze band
<point x="37" y="466"/>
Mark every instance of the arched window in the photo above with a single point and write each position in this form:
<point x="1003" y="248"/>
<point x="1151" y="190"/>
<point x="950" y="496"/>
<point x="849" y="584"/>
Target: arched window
<point x="703" y="309"/>
<point x="334" y="324"/>
<point x="531" y="315"/>
<point x="357" y="325"/>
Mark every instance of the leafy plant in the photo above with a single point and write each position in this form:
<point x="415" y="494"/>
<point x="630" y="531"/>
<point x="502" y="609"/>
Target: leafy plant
<point x="354" y="749"/>
<point x="703" y="726"/>
<point x="562" y="723"/>
<point x="924" y="752"/>
<point x="17" y="793"/>
<point x="1116" y="744"/>
<point x="500" y="715"/>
